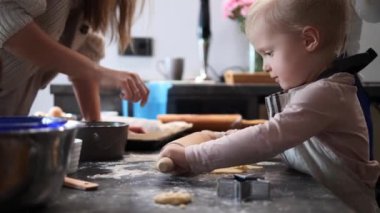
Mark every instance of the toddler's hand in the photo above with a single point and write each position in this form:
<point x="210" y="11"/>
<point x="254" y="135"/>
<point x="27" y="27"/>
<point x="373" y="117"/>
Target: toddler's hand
<point x="176" y="152"/>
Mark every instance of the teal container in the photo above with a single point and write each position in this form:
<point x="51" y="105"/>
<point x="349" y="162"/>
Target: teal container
<point x="156" y="104"/>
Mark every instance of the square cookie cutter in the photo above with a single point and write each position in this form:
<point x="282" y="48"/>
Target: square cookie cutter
<point x="243" y="187"/>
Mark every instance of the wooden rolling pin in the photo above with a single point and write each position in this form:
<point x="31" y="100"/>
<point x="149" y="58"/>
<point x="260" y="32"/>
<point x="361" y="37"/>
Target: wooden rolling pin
<point x="214" y="122"/>
<point x="166" y="165"/>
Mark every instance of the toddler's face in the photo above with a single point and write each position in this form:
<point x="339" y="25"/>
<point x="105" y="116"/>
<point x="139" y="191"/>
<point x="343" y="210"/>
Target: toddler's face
<point x="284" y="55"/>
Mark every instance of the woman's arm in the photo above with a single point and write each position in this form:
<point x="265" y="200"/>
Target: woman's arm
<point x="87" y="92"/>
<point x="31" y="43"/>
<point x="87" y="95"/>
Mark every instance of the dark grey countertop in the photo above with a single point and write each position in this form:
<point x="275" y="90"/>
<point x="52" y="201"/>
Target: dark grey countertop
<point x="129" y="185"/>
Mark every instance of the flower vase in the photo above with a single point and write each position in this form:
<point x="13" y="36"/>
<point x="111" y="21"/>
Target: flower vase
<point x="255" y="60"/>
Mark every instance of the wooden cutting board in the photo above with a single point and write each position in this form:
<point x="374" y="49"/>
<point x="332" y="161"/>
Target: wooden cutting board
<point x="152" y="140"/>
<point x="233" y="77"/>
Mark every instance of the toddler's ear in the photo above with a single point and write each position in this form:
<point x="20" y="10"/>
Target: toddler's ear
<point x="311" y="39"/>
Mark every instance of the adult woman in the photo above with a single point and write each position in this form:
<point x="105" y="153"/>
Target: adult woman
<point x="40" y="38"/>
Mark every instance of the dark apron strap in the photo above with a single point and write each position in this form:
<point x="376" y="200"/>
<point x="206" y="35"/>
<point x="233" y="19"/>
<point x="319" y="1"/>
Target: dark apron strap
<point x="353" y="65"/>
<point x="365" y="104"/>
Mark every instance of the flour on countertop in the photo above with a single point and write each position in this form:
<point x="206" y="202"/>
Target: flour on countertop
<point x="141" y="157"/>
<point x="119" y="174"/>
<point x="126" y="168"/>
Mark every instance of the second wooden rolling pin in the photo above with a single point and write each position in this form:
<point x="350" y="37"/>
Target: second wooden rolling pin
<point x="214" y="122"/>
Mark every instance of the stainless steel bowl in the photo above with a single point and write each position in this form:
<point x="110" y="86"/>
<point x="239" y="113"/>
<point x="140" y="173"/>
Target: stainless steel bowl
<point x="33" y="163"/>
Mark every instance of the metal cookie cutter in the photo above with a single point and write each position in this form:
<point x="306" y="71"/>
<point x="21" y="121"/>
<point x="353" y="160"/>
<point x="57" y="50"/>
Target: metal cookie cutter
<point x="243" y="187"/>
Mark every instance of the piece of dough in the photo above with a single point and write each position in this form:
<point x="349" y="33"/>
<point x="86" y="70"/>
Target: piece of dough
<point x="173" y="198"/>
<point x="237" y="169"/>
<point x="56" y="111"/>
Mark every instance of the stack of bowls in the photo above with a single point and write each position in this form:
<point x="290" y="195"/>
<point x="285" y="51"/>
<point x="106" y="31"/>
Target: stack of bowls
<point x="33" y="158"/>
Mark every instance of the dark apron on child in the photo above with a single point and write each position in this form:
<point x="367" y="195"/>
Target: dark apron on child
<point x="352" y="65"/>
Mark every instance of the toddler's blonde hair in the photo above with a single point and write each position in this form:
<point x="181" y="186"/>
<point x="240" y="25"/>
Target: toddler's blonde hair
<point x="330" y="17"/>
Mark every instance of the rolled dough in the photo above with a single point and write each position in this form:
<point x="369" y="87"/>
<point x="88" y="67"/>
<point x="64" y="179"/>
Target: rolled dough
<point x="237" y="169"/>
<point x="173" y="198"/>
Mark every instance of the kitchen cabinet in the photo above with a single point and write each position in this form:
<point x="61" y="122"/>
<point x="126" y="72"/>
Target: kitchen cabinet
<point x="220" y="98"/>
<point x="64" y="97"/>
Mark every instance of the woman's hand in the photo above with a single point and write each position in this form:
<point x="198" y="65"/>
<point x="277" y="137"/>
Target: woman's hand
<point x="176" y="152"/>
<point x="131" y="86"/>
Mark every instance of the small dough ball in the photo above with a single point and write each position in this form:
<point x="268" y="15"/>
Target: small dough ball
<point x="173" y="198"/>
<point x="56" y="112"/>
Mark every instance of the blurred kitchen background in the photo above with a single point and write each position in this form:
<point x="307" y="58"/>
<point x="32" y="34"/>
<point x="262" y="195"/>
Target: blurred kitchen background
<point x="172" y="26"/>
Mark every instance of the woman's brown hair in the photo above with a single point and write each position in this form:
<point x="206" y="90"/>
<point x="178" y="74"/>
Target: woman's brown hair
<point x="115" y="14"/>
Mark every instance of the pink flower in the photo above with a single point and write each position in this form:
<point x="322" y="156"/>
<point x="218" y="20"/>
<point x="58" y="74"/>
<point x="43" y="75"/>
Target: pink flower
<point x="235" y="9"/>
<point x="229" y="6"/>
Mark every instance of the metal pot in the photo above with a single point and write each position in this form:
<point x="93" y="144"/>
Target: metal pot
<point x="33" y="158"/>
<point x="103" y="141"/>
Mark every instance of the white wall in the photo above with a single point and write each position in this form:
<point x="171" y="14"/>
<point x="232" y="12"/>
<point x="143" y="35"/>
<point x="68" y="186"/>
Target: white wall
<point x="370" y="38"/>
<point x="173" y="24"/>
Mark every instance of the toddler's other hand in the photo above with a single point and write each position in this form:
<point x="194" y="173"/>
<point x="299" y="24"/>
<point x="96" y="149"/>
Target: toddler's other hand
<point x="176" y="152"/>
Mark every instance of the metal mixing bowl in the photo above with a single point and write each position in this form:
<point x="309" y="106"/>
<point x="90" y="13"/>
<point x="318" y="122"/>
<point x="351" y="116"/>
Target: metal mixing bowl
<point x="33" y="158"/>
<point x="103" y="141"/>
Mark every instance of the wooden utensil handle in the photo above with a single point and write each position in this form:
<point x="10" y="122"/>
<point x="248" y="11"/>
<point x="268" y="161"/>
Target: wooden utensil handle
<point x="165" y="165"/>
<point x="79" y="184"/>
